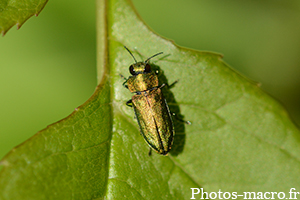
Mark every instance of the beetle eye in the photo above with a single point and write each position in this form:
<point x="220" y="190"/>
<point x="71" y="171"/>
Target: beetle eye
<point x="131" y="70"/>
<point x="147" y="68"/>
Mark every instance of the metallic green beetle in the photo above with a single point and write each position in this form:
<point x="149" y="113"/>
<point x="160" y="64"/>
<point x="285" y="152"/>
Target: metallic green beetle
<point x="150" y="106"/>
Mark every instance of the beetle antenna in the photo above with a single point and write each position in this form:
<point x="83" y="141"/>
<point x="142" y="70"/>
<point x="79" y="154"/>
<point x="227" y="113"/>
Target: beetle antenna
<point x="130" y="53"/>
<point x="146" y="61"/>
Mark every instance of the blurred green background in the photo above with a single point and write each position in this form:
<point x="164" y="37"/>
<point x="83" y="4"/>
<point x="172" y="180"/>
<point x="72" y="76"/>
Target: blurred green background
<point x="48" y="67"/>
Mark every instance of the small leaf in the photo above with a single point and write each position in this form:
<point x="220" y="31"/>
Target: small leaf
<point x="241" y="140"/>
<point x="68" y="158"/>
<point x="17" y="12"/>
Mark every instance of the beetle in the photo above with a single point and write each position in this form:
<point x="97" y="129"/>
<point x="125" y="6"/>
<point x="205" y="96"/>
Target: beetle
<point x="150" y="106"/>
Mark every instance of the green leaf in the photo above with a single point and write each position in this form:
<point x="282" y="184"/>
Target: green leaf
<point x="240" y="140"/>
<point x="17" y="12"/>
<point x="68" y="158"/>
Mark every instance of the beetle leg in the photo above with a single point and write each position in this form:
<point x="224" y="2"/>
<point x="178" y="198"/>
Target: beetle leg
<point x="169" y="86"/>
<point x="129" y="103"/>
<point x="123" y="77"/>
<point x="124" y="84"/>
<point x="163" y="85"/>
<point x="150" y="152"/>
<point x="181" y="120"/>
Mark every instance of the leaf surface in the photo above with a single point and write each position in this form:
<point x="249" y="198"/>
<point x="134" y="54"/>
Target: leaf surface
<point x="17" y="12"/>
<point x="240" y="140"/>
<point x="67" y="160"/>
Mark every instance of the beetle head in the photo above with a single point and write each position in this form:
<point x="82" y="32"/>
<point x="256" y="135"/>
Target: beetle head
<point x="140" y="67"/>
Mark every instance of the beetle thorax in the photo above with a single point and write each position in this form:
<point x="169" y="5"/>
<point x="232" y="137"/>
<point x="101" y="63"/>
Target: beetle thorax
<point x="142" y="82"/>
